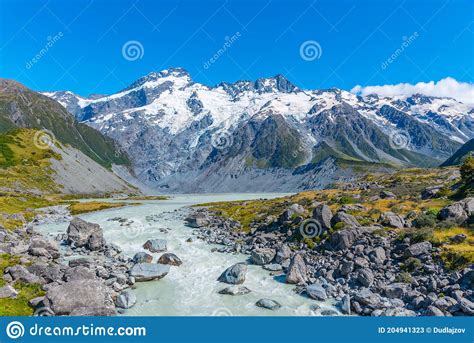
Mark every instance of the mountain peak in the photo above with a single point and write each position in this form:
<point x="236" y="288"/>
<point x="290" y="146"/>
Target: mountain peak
<point x="155" y="76"/>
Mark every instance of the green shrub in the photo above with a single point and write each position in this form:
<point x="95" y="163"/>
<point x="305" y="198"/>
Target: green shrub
<point x="404" y="278"/>
<point x="411" y="264"/>
<point x="425" y="220"/>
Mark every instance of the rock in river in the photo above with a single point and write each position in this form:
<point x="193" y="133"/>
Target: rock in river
<point x="149" y="271"/>
<point x="269" y="304"/>
<point x="234" y="275"/>
<point x="126" y="299"/>
<point x="171" y="259"/>
<point x="155" y="245"/>
<point x="235" y="290"/>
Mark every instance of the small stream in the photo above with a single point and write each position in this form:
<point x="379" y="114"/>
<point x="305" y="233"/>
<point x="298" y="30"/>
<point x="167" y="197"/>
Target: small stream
<point x="190" y="289"/>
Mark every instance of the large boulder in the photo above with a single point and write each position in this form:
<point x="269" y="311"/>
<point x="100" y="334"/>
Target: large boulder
<point x="342" y="239"/>
<point x="42" y="247"/>
<point x="365" y="277"/>
<point x="171" y="259"/>
<point x="283" y="253"/>
<point x="50" y="272"/>
<point x="297" y="271"/>
<point x="234" y="275"/>
<point x="197" y="220"/>
<point x="390" y="219"/>
<point x="155" y="245"/>
<point x="455" y="212"/>
<point x="8" y="292"/>
<point x="79" y="273"/>
<point x="323" y="214"/>
<point x="377" y="255"/>
<point x="84" y="234"/>
<point x="81" y="297"/>
<point x="316" y="291"/>
<point x="418" y="249"/>
<point x="20" y="273"/>
<point x="142" y="257"/>
<point x="346" y="219"/>
<point x="262" y="256"/>
<point x="149" y="271"/>
<point x="396" y="290"/>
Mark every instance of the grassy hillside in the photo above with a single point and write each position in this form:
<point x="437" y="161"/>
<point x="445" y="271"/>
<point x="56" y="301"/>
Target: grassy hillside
<point x="21" y="107"/>
<point x="459" y="156"/>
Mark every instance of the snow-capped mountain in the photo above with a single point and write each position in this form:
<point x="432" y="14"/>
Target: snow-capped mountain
<point x="266" y="135"/>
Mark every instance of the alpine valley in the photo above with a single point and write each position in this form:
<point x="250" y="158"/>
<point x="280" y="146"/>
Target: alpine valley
<point x="267" y="135"/>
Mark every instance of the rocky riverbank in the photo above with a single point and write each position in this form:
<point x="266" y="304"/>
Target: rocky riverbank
<point x="387" y="268"/>
<point x="78" y="273"/>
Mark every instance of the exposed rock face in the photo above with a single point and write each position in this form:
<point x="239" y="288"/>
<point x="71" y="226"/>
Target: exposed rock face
<point x="171" y="259"/>
<point x="262" y="256"/>
<point x="155" y="245"/>
<point x="85" y="234"/>
<point x="81" y="297"/>
<point x="234" y="275"/>
<point x="149" y="271"/>
<point x="297" y="271"/>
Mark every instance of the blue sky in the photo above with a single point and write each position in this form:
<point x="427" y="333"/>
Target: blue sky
<point x="358" y="42"/>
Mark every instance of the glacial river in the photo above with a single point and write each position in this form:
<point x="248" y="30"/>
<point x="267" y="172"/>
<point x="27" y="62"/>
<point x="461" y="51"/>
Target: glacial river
<point x="190" y="289"/>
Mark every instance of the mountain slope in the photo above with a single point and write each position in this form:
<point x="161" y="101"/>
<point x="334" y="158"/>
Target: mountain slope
<point x="266" y="134"/>
<point x="459" y="156"/>
<point x="21" y="107"/>
<point x="27" y="167"/>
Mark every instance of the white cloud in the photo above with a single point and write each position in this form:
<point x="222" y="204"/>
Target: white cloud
<point x="448" y="87"/>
